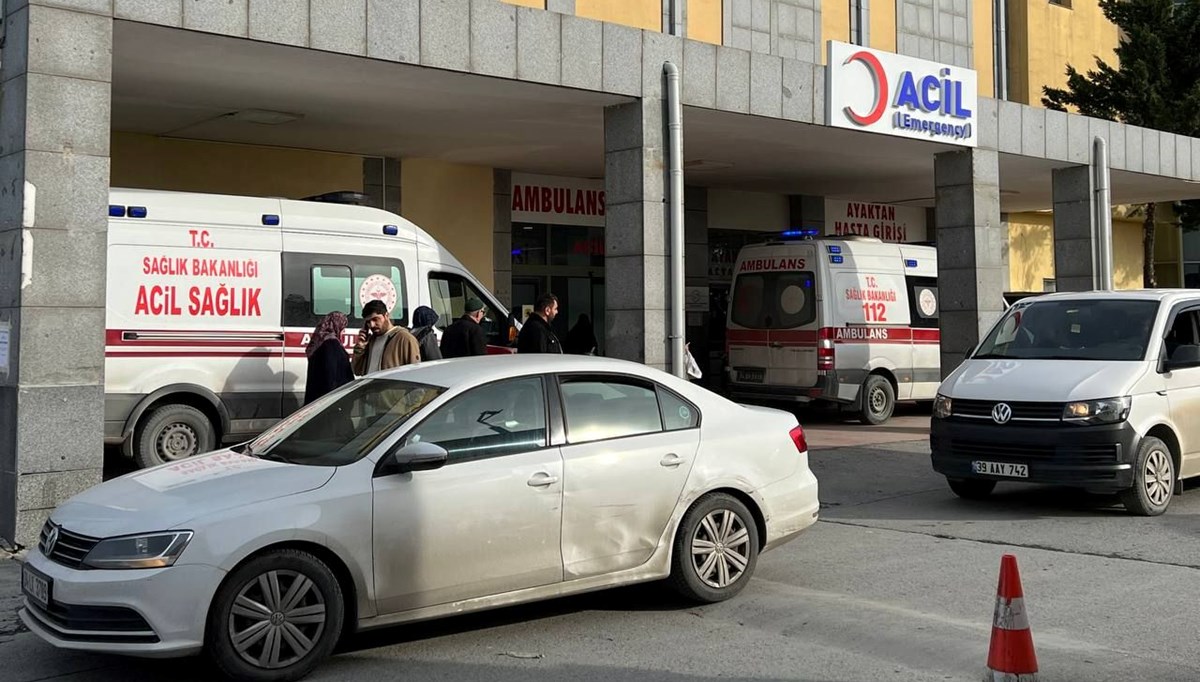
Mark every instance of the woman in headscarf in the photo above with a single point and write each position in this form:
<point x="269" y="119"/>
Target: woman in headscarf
<point x="328" y="362"/>
<point x="425" y="321"/>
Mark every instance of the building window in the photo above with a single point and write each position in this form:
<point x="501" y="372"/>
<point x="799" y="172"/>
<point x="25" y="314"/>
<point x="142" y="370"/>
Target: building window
<point x="1049" y="285"/>
<point x="859" y="23"/>
<point x="1061" y="3"/>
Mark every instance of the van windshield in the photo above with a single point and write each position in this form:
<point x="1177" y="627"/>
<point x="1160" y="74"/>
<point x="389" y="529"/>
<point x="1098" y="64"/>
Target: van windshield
<point x="1102" y="329"/>
<point x="774" y="300"/>
<point x="344" y="426"/>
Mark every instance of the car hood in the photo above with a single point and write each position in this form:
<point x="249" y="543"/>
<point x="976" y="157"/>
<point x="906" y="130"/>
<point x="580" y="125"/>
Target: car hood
<point x="1042" y="380"/>
<point x="168" y="496"/>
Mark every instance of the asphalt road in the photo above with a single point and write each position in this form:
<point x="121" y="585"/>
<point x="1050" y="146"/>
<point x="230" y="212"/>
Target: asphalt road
<point x="897" y="581"/>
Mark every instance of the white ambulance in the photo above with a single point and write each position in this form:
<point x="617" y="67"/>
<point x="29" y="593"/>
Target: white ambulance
<point x="211" y="300"/>
<point x="847" y="320"/>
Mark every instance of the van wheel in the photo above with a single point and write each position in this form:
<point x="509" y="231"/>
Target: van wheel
<point x="1153" y="479"/>
<point x="171" y="433"/>
<point x="878" y="400"/>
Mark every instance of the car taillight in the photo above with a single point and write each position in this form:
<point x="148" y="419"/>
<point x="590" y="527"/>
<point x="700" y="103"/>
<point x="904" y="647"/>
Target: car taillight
<point x="798" y="438"/>
<point x="825" y="358"/>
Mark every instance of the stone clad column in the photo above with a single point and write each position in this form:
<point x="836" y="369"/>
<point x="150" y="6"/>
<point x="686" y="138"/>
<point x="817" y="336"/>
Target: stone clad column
<point x="636" y="271"/>
<point x="55" y="92"/>
<point x="971" y="241"/>
<point x="1073" y="218"/>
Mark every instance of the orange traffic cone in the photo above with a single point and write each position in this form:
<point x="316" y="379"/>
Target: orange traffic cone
<point x="1011" y="657"/>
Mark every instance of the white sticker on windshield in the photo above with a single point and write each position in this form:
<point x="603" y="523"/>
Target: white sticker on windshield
<point x="684" y="413"/>
<point x="201" y="468"/>
<point x="792" y="300"/>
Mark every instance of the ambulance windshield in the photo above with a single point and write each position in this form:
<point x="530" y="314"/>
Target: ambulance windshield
<point x="1109" y="330"/>
<point x="774" y="300"/>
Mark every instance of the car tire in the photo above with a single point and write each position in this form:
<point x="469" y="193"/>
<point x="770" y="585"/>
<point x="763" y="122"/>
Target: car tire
<point x="316" y="614"/>
<point x="171" y="433"/>
<point x="725" y="524"/>
<point x="1153" y="479"/>
<point x="878" y="400"/>
<point x="971" y="488"/>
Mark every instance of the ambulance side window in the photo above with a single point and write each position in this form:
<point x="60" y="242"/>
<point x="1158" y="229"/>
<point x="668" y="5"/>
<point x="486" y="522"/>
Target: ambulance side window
<point x="923" y="303"/>
<point x="448" y="294"/>
<point x="315" y="285"/>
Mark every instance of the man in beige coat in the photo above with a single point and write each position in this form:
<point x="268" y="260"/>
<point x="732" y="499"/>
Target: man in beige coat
<point x="381" y="344"/>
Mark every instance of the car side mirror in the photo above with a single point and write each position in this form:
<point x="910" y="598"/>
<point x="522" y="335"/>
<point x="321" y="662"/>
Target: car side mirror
<point x="1183" y="357"/>
<point x="413" y="457"/>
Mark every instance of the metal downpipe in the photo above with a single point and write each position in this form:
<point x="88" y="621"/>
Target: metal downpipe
<point x="675" y="210"/>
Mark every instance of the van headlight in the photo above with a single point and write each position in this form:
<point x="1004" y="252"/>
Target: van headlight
<point x="1106" y="411"/>
<point x="942" y="406"/>
<point x="152" y="550"/>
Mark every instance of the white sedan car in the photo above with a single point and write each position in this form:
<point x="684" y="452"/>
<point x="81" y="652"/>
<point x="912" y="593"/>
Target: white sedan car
<point x="421" y="492"/>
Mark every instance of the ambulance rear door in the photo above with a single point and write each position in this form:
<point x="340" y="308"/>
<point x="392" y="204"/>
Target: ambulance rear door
<point x="773" y="316"/>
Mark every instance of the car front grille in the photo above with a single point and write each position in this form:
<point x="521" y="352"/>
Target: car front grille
<point x="1021" y="411"/>
<point x="69" y="548"/>
<point x="1066" y="455"/>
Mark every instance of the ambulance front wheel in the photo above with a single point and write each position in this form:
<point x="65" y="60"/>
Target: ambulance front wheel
<point x="171" y="433"/>
<point x="878" y="400"/>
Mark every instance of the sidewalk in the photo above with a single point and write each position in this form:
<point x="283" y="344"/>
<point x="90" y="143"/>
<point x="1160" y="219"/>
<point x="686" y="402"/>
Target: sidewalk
<point x="10" y="598"/>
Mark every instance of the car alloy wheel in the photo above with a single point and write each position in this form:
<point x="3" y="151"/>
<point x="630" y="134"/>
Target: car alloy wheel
<point x="1158" y="477"/>
<point x="721" y="548"/>
<point x="277" y="619"/>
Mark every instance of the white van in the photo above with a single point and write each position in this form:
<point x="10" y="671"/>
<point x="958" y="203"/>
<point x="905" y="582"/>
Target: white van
<point x="211" y="300"/>
<point x="1096" y="390"/>
<point x="852" y="321"/>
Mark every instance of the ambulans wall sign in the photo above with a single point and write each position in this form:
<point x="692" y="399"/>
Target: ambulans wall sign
<point x="894" y="94"/>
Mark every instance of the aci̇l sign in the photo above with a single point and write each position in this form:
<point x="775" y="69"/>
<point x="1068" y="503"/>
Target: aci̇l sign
<point x="899" y="95"/>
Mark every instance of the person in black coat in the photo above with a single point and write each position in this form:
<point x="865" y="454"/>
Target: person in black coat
<point x="536" y="335"/>
<point x="425" y="321"/>
<point x="581" y="340"/>
<point x="465" y="337"/>
<point x="328" y="362"/>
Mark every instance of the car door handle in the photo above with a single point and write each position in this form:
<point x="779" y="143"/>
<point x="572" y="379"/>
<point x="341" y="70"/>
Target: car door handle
<point x="671" y="460"/>
<point x="541" y="480"/>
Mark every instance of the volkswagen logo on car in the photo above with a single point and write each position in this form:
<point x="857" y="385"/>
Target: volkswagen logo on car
<point x="51" y="540"/>
<point x="1001" y="413"/>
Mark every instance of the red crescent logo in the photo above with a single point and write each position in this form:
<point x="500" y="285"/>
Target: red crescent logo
<point x="881" y="88"/>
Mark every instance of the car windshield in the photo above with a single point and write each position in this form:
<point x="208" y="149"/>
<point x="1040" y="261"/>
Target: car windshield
<point x="1101" y="329"/>
<point x="343" y="427"/>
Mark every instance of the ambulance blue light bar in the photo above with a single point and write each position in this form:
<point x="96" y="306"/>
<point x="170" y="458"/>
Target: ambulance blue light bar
<point x="391" y="230"/>
<point x="834" y="248"/>
<point x="270" y="219"/>
<point x="836" y="259"/>
<point x="137" y="211"/>
<point x="115" y="211"/>
<point x="808" y="232"/>
<point x="910" y="263"/>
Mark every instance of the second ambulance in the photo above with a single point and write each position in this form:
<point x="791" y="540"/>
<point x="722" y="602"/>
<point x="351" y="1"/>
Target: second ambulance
<point x="851" y="321"/>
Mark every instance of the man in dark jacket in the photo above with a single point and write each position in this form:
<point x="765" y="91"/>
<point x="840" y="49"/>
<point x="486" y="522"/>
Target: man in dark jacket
<point x="537" y="336"/>
<point x="465" y="337"/>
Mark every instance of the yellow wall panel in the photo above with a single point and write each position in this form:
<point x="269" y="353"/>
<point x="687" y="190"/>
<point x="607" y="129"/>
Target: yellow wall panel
<point x="882" y="25"/>
<point x="452" y="202"/>
<point x="984" y="46"/>
<point x="645" y="14"/>
<point x="149" y="162"/>
<point x="1031" y="252"/>
<point x="1045" y="37"/>
<point x="835" y="25"/>
<point x="705" y="20"/>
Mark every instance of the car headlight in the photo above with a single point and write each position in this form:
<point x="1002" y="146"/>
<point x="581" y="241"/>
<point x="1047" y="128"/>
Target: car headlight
<point x="942" y="406"/>
<point x="1107" y="411"/>
<point x="152" y="550"/>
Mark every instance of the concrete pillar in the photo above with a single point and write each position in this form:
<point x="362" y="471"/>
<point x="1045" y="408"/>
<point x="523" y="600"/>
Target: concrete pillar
<point x="972" y="257"/>
<point x="55" y="90"/>
<point x="636" y="271"/>
<point x="1074" y="215"/>
<point x="695" y="226"/>
<point x="502" y="237"/>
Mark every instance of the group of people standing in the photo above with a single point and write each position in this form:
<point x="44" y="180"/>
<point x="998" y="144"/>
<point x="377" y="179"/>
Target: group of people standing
<point x="382" y="345"/>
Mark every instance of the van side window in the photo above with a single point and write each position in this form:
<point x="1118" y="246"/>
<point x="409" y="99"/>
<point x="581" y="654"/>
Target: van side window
<point x="923" y="302"/>
<point x="448" y="295"/>
<point x="1184" y="332"/>
<point x="315" y="285"/>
